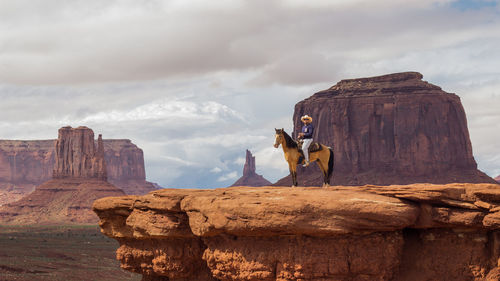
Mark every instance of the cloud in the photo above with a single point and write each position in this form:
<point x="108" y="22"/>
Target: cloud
<point x="240" y="161"/>
<point x="169" y="110"/>
<point x="230" y="176"/>
<point x="301" y="68"/>
<point x="216" y="170"/>
<point x="296" y="42"/>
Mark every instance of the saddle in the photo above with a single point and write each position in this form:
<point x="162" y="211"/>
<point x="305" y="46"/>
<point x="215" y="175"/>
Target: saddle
<point x="315" y="146"/>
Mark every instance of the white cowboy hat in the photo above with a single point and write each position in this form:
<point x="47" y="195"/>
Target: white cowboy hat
<point x="306" y="117"/>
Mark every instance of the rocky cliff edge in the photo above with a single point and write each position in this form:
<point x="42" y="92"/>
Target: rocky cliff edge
<point x="399" y="232"/>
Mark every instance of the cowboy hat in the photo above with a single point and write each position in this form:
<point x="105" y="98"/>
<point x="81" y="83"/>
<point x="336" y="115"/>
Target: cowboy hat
<point x="306" y="117"/>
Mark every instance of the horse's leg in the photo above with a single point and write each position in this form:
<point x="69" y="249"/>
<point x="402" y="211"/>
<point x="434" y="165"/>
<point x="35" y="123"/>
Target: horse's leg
<point x="294" y="169"/>
<point x="329" y="164"/>
<point x="324" y="170"/>
<point x="293" y="172"/>
<point x="326" y="166"/>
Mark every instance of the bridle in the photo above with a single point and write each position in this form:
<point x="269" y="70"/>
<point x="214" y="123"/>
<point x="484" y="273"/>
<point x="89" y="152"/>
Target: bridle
<point x="278" y="138"/>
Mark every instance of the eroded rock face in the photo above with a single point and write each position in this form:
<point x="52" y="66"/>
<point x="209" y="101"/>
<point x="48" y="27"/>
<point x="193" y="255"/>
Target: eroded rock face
<point x="79" y="178"/>
<point x="391" y="129"/>
<point x="400" y="233"/>
<point x="125" y="167"/>
<point x="27" y="164"/>
<point x="77" y="155"/>
<point x="250" y="177"/>
<point x="23" y="166"/>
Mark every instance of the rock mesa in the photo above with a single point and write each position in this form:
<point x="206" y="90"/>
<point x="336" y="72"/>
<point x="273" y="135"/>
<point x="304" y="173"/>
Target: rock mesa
<point x="23" y="166"/>
<point x="250" y="177"/>
<point x="27" y="164"/>
<point x="79" y="178"/>
<point x="399" y="232"/>
<point x="390" y="129"/>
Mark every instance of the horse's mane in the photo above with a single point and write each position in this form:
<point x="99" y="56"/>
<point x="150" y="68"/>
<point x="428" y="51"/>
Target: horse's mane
<point x="289" y="141"/>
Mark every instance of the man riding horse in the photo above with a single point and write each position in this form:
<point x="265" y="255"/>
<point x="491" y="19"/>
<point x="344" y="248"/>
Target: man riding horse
<point x="307" y="136"/>
<point x="321" y="154"/>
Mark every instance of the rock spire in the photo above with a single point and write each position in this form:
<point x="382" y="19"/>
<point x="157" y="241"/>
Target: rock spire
<point x="79" y="178"/>
<point x="77" y="155"/>
<point x="250" y="177"/>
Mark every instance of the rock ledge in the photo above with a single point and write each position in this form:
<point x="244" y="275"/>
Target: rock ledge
<point x="399" y="232"/>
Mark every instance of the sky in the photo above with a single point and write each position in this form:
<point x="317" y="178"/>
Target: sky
<point x="195" y="83"/>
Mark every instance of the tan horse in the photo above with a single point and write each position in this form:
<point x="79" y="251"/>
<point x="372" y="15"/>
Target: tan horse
<point x="294" y="156"/>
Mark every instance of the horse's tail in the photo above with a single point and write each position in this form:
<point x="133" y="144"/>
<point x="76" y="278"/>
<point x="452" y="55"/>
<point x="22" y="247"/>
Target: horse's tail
<point x="330" y="164"/>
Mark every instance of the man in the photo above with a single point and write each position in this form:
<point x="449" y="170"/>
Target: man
<point x="307" y="136"/>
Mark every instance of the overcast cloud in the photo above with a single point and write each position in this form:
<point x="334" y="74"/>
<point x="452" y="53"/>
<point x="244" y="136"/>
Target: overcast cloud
<point x="195" y="83"/>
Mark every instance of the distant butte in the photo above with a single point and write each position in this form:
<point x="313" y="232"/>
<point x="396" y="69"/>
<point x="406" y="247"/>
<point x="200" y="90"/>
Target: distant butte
<point x="25" y="164"/>
<point x="497" y="178"/>
<point x="250" y="177"/>
<point x="79" y="178"/>
<point x="390" y="129"/>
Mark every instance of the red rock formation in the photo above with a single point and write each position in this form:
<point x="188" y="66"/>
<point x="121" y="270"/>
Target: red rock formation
<point x="59" y="201"/>
<point x="250" y="177"/>
<point x="27" y="164"/>
<point x="403" y="233"/>
<point x="497" y="178"/>
<point x="23" y="166"/>
<point x="125" y="162"/>
<point x="391" y="129"/>
<point x="79" y="178"/>
<point x="77" y="156"/>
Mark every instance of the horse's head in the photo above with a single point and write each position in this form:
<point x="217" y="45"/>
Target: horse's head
<point x="278" y="137"/>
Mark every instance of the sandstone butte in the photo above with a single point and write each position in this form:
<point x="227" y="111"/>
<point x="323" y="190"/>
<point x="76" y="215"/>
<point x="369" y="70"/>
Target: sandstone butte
<point x="250" y="177"/>
<point x="27" y="164"/>
<point x="398" y="232"/>
<point x="390" y="129"/>
<point x="79" y="178"/>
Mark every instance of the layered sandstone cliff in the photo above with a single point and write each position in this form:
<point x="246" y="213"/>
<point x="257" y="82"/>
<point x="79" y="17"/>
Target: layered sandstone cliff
<point x="23" y="166"/>
<point x="400" y="233"/>
<point x="391" y="129"/>
<point x="125" y="167"/>
<point x="79" y="178"/>
<point x="77" y="156"/>
<point x="250" y="177"/>
<point x="27" y="164"/>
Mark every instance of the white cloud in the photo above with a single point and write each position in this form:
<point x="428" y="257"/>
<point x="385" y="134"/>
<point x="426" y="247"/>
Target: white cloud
<point x="168" y="110"/>
<point x="226" y="177"/>
<point x="216" y="170"/>
<point x="240" y="161"/>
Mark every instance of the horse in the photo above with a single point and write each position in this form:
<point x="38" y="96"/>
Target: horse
<point x="294" y="156"/>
